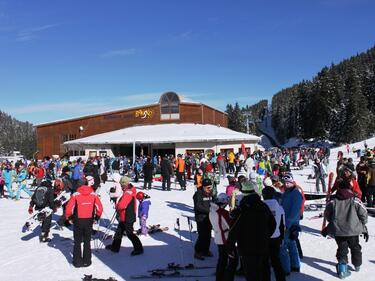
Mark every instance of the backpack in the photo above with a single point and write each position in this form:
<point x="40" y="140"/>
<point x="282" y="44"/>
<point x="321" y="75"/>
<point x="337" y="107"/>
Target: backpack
<point x="39" y="197"/>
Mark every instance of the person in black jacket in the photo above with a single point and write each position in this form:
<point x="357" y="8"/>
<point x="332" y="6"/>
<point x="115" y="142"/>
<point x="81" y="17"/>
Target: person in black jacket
<point x="148" y="168"/>
<point x="92" y="170"/>
<point x="43" y="197"/>
<point x="202" y="199"/>
<point x="166" y="171"/>
<point x="253" y="226"/>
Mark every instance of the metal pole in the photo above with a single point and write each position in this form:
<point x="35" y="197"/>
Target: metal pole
<point x="133" y="152"/>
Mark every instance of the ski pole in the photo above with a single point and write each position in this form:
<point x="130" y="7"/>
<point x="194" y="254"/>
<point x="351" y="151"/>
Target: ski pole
<point x="179" y="232"/>
<point x="191" y="237"/>
<point x="108" y="229"/>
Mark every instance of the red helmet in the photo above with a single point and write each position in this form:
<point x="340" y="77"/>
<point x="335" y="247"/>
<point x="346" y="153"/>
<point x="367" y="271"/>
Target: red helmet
<point x="140" y="196"/>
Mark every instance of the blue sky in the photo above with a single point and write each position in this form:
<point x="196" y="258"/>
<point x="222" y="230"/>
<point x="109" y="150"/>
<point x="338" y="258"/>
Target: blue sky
<point x="60" y="59"/>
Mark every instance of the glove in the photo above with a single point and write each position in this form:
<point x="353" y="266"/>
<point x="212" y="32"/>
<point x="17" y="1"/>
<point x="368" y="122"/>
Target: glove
<point x="30" y="210"/>
<point x="365" y="236"/>
<point x="55" y="210"/>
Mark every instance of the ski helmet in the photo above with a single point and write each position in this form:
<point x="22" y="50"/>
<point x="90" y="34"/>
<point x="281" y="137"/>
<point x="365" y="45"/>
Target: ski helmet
<point x="140" y="196"/>
<point x="288" y="178"/>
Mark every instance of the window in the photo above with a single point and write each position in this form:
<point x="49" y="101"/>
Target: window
<point x="169" y="106"/>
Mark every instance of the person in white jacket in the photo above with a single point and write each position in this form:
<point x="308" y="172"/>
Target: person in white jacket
<point x="220" y="220"/>
<point x="115" y="191"/>
<point x="277" y="237"/>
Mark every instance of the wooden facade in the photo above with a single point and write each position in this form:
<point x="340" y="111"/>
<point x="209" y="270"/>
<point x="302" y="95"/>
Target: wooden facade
<point x="51" y="136"/>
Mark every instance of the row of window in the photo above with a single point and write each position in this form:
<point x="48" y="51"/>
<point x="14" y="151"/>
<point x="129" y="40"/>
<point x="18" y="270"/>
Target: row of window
<point x="69" y="137"/>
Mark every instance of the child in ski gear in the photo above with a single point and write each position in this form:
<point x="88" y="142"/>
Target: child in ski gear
<point x="7" y="174"/>
<point x="347" y="175"/>
<point x="43" y="197"/>
<point x="211" y="175"/>
<point x="83" y="209"/>
<point x="253" y="226"/>
<point x="143" y="208"/>
<point x="277" y="237"/>
<point x="347" y="217"/>
<point x="230" y="188"/>
<point x="291" y="203"/>
<point x="219" y="218"/>
<point x="115" y="192"/>
<point x="202" y="199"/>
<point x="126" y="209"/>
<point x="21" y="182"/>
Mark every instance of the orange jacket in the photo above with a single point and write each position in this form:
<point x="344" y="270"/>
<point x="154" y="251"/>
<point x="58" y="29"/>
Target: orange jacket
<point x="180" y="165"/>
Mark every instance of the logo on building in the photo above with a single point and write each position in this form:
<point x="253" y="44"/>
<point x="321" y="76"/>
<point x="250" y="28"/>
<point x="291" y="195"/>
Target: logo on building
<point x="144" y="113"/>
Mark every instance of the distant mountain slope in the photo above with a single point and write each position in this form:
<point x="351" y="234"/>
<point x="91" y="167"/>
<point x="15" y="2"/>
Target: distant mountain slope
<point x="338" y="104"/>
<point x="16" y="135"/>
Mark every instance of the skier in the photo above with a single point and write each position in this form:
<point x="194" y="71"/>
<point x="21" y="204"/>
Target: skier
<point x="202" y="198"/>
<point x="7" y="174"/>
<point x="148" y="169"/>
<point x="253" y="226"/>
<point x="180" y="171"/>
<point x="291" y="203"/>
<point x="320" y="175"/>
<point x="347" y="217"/>
<point x="371" y="185"/>
<point x="143" y="209"/>
<point x="115" y="192"/>
<point x="43" y="197"/>
<point x="83" y="210"/>
<point x="362" y="170"/>
<point x="21" y="181"/>
<point x="126" y="208"/>
<point x="277" y="237"/>
<point x="166" y="171"/>
<point x="220" y="220"/>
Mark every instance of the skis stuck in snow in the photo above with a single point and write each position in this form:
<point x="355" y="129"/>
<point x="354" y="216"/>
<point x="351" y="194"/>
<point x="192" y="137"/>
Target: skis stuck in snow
<point x="165" y="274"/>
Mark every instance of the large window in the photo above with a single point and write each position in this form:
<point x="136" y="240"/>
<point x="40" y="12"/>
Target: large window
<point x="169" y="106"/>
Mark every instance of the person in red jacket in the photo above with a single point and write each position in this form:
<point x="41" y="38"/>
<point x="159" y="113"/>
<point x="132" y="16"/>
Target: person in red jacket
<point x="126" y="208"/>
<point x="83" y="209"/>
<point x="348" y="175"/>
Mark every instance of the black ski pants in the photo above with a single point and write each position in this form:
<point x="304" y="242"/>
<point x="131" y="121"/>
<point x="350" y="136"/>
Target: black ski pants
<point x="275" y="259"/>
<point x="202" y="246"/>
<point x="343" y="244"/>
<point x="256" y="267"/>
<point x="226" y="266"/>
<point x="129" y="230"/>
<point x="82" y="233"/>
<point x="166" y="181"/>
<point x="147" y="184"/>
<point x="181" y="179"/>
<point x="46" y="225"/>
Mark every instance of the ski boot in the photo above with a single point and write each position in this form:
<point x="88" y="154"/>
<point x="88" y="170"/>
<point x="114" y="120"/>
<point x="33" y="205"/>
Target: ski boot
<point x="357" y="268"/>
<point x="342" y="270"/>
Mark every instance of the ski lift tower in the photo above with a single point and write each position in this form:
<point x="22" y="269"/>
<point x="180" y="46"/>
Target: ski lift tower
<point x="248" y="116"/>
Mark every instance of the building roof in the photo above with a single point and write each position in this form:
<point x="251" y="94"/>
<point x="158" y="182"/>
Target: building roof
<point x="183" y="100"/>
<point x="167" y="133"/>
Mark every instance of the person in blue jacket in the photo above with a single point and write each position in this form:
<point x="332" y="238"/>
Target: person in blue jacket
<point x="77" y="173"/>
<point x="143" y="208"/>
<point x="291" y="203"/>
<point x="21" y="182"/>
<point x="7" y="174"/>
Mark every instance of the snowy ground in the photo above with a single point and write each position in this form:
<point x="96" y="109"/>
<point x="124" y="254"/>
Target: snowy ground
<point x="24" y="258"/>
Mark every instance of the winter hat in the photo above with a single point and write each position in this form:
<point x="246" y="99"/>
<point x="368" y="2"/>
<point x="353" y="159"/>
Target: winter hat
<point x="247" y="187"/>
<point x="222" y="199"/>
<point x="206" y="182"/>
<point x="124" y="181"/>
<point x="65" y="170"/>
<point x="141" y="196"/>
<point x="231" y="180"/>
<point x="268" y="192"/>
<point x="81" y="182"/>
<point x="268" y="182"/>
<point x="90" y="180"/>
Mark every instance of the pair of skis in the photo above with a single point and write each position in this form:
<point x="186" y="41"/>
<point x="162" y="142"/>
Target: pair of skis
<point x="173" y="271"/>
<point x="329" y="193"/>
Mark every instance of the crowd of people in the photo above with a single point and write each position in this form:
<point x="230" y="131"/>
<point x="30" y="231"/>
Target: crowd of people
<point x="256" y="222"/>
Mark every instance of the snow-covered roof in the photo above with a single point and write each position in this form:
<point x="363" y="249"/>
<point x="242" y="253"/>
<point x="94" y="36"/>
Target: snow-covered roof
<point x="167" y="133"/>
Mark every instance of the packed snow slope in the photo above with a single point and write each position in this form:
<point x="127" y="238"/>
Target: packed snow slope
<point x="24" y="258"/>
